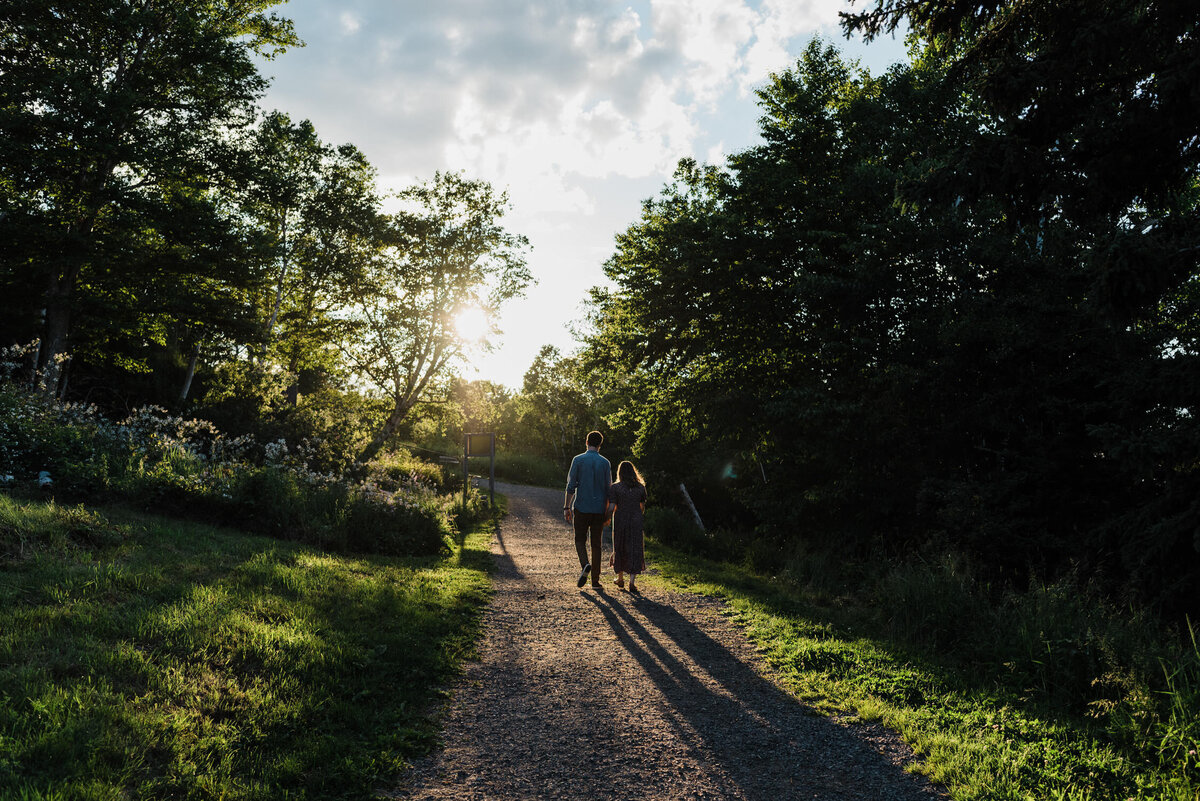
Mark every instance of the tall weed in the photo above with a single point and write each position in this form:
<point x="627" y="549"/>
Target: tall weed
<point x="1178" y="735"/>
<point x="1060" y="651"/>
<point x="936" y="606"/>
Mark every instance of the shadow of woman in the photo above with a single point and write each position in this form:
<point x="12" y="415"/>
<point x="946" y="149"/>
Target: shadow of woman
<point x="758" y="740"/>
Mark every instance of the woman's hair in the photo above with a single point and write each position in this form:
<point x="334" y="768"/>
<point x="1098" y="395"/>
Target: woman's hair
<point x="628" y="473"/>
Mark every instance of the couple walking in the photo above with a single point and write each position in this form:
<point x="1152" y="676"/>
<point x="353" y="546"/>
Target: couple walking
<point x="597" y="500"/>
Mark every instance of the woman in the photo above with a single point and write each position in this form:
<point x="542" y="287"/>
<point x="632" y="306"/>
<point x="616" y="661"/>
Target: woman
<point x="626" y="503"/>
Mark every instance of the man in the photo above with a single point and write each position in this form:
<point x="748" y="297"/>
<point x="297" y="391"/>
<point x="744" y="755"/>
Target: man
<point x="588" y="480"/>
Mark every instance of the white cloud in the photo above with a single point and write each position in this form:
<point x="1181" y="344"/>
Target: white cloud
<point x="778" y="24"/>
<point x="350" y="23"/>
<point x="711" y="36"/>
<point x="716" y="154"/>
<point x="588" y="88"/>
<point x="580" y="108"/>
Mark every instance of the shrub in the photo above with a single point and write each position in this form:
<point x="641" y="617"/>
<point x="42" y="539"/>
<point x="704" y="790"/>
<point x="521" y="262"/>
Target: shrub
<point x="672" y="529"/>
<point x="187" y="466"/>
<point x="410" y="528"/>
<point x="1060" y="640"/>
<point x="399" y="468"/>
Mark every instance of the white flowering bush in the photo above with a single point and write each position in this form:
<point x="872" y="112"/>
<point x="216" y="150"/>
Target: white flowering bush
<point x="180" y="465"/>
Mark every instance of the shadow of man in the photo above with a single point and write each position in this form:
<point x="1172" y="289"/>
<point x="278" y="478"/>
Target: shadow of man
<point x="760" y="741"/>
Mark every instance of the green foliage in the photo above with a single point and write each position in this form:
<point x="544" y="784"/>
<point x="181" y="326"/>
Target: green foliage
<point x="319" y="209"/>
<point x="1075" y="87"/>
<point x="163" y="238"/>
<point x="482" y="406"/>
<point x="197" y="662"/>
<point x="559" y="406"/>
<point x="118" y="117"/>
<point x="667" y="526"/>
<point x="445" y="252"/>
<point x="244" y="399"/>
<point x="892" y="350"/>
<point x="162" y="462"/>
<point x="400" y="468"/>
<point x="1050" y="693"/>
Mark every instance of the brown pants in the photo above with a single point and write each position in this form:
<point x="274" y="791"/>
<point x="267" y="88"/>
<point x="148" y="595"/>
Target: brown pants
<point x="593" y="523"/>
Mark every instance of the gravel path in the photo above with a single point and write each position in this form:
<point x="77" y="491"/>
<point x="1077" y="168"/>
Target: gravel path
<point x="605" y="695"/>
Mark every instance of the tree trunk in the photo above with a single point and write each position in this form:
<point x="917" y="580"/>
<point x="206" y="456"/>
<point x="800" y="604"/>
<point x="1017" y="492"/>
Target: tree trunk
<point x="59" y="288"/>
<point x="283" y="265"/>
<point x="65" y="380"/>
<point x="54" y="333"/>
<point x="191" y="372"/>
<point x="389" y="427"/>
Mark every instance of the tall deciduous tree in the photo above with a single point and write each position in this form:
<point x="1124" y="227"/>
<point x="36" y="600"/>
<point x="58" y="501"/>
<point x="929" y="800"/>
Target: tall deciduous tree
<point x="449" y="252"/>
<point x="319" y="208"/>
<point x="1093" y="117"/>
<point x="108" y="100"/>
<point x="1094" y="131"/>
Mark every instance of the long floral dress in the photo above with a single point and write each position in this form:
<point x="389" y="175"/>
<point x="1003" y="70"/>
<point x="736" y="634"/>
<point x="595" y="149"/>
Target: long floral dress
<point x="629" y="554"/>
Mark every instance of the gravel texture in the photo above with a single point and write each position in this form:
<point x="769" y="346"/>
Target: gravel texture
<point x="606" y="695"/>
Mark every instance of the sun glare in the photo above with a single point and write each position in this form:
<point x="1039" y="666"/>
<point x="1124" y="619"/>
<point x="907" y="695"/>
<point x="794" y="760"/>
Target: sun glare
<point x="472" y="323"/>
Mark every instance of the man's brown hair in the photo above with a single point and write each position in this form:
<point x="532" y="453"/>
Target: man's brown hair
<point x="595" y="439"/>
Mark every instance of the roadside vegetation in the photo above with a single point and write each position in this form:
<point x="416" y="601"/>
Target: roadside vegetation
<point x="148" y="657"/>
<point x="154" y="643"/>
<point x="396" y="504"/>
<point x="1047" y="693"/>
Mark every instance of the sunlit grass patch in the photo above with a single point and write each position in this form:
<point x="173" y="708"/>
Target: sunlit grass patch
<point x="972" y="733"/>
<point x="188" y="661"/>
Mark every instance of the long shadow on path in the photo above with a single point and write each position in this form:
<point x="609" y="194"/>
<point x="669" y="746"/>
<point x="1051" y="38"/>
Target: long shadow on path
<point x="758" y="740"/>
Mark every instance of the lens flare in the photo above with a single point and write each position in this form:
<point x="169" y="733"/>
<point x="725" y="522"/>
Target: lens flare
<point x="472" y="323"/>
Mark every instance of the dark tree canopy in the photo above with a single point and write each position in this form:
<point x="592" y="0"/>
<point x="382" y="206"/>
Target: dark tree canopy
<point x="108" y="107"/>
<point x="874" y="351"/>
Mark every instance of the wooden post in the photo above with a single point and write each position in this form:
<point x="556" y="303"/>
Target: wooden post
<point x="688" y="500"/>
<point x="470" y="450"/>
<point x="492" y="477"/>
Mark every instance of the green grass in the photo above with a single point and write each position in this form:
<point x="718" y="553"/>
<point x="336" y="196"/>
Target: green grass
<point x="142" y="657"/>
<point x="973" y="733"/>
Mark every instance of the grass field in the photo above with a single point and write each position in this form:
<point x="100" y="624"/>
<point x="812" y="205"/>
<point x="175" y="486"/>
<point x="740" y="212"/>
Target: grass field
<point x="973" y="734"/>
<point x="142" y="657"/>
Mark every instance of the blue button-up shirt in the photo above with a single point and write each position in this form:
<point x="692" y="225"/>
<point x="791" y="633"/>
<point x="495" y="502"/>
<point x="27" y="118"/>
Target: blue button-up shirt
<point x="590" y="475"/>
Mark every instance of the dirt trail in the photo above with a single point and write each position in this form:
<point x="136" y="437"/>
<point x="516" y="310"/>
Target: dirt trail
<point x="602" y="695"/>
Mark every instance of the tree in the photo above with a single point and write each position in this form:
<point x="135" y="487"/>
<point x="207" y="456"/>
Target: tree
<point x="448" y="252"/>
<point x="1094" y="144"/>
<point x="107" y="102"/>
<point x="483" y="407"/>
<point x="559" y="405"/>
<point x="319" y="208"/>
<point x="1093" y="116"/>
<point x="757" y="306"/>
<point x="903" y="356"/>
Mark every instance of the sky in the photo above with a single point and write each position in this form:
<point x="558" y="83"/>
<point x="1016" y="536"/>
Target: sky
<point x="579" y="109"/>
